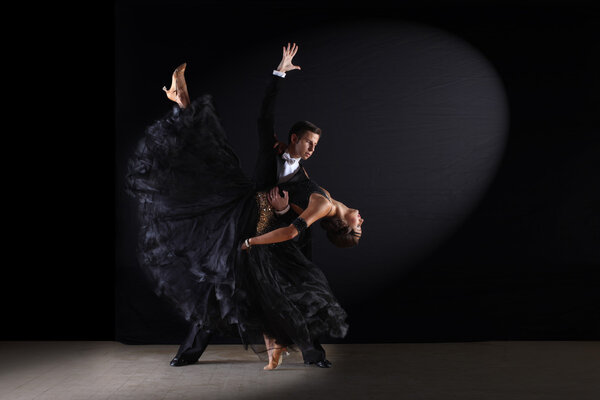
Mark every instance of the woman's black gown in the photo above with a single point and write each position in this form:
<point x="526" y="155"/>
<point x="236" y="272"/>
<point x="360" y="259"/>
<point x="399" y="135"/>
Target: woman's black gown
<point x="196" y="206"/>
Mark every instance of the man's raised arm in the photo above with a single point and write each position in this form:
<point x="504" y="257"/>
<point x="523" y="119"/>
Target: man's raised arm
<point x="266" y="119"/>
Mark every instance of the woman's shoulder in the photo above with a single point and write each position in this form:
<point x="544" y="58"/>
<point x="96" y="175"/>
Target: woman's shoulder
<point x="319" y="202"/>
<point x="326" y="192"/>
<point x="319" y="207"/>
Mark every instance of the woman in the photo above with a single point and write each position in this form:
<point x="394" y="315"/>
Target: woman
<point x="197" y="206"/>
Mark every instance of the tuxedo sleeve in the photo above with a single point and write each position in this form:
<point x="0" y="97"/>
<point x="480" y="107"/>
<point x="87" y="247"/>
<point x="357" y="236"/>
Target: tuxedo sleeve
<point x="266" y="118"/>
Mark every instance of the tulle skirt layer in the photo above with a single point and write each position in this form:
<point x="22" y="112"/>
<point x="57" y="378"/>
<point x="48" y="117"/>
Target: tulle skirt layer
<point x="196" y="206"/>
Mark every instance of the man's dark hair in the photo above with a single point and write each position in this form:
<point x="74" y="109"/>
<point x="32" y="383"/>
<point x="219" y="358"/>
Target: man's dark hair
<point x="301" y="127"/>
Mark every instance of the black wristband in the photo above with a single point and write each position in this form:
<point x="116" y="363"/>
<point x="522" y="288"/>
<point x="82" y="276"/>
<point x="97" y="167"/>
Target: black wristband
<point x="300" y="224"/>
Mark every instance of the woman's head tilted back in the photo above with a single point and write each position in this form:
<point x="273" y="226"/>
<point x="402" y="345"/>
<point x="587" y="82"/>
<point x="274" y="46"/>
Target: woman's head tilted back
<point x="340" y="233"/>
<point x="344" y="224"/>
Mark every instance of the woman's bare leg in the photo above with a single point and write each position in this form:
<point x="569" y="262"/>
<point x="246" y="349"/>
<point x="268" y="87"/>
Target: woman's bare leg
<point x="270" y="344"/>
<point x="275" y="353"/>
<point x="178" y="91"/>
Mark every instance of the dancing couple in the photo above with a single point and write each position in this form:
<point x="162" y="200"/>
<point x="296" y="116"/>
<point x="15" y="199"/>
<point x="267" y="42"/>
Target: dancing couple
<point x="233" y="254"/>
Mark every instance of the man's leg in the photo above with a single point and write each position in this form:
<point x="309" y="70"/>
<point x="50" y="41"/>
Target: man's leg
<point x="192" y="347"/>
<point x="314" y="353"/>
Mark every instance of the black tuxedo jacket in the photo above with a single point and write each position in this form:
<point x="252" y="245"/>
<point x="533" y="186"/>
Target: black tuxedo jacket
<point x="265" y="174"/>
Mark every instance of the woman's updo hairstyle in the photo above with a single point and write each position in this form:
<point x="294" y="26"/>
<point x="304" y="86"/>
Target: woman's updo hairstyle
<point x="339" y="233"/>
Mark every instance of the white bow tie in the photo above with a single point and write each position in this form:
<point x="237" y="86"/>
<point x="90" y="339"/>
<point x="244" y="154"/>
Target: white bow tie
<point x="288" y="159"/>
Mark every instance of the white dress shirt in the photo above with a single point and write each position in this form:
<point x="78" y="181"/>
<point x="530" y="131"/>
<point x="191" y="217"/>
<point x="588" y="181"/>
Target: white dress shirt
<point x="286" y="167"/>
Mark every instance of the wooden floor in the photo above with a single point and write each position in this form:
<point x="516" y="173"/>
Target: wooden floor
<point x="478" y="371"/>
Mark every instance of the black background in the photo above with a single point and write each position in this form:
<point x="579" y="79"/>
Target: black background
<point x="537" y="230"/>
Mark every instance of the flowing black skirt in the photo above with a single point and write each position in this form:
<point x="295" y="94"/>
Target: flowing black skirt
<point x="196" y="206"/>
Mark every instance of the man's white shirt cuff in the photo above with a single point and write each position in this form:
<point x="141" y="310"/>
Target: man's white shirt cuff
<point x="278" y="73"/>
<point x="286" y="209"/>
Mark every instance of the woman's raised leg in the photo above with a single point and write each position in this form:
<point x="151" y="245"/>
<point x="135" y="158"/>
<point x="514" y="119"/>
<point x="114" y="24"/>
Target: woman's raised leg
<point x="178" y="91"/>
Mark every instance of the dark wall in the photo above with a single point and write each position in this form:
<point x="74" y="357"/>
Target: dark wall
<point x="521" y="262"/>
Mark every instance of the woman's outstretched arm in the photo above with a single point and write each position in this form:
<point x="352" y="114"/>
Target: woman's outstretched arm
<point x="318" y="207"/>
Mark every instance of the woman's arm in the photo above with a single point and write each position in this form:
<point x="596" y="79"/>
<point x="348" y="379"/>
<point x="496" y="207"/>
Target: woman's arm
<point x="318" y="207"/>
<point x="276" y="236"/>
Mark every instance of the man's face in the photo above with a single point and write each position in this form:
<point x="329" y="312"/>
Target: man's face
<point x="304" y="146"/>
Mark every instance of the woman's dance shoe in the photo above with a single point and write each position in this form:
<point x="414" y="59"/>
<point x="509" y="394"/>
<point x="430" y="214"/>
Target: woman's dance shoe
<point x="277" y="358"/>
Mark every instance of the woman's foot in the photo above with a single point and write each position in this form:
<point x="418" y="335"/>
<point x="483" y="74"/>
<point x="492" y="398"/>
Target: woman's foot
<point x="270" y="345"/>
<point x="178" y="91"/>
<point x="276" y="359"/>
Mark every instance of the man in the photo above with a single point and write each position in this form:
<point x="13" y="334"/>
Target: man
<point x="275" y="167"/>
<point x="276" y="164"/>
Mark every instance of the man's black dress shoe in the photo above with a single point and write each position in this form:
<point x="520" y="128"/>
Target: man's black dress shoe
<point x="320" y="363"/>
<point x="180" y="362"/>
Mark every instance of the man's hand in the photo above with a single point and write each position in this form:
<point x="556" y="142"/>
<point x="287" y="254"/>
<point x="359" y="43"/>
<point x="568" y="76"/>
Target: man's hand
<point x="275" y="199"/>
<point x="286" y="61"/>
